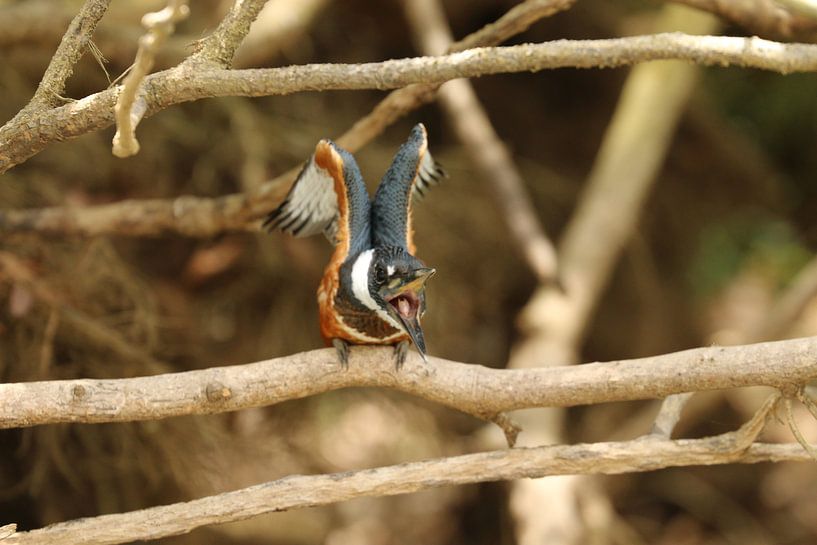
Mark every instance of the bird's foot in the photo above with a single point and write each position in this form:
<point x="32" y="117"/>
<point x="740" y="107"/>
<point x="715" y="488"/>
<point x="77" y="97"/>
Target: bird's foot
<point x="400" y="353"/>
<point x="342" y="348"/>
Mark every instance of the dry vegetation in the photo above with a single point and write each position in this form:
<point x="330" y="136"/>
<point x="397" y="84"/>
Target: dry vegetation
<point x="681" y="199"/>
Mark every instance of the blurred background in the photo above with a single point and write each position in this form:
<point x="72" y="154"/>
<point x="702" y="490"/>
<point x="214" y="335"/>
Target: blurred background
<point x="727" y="227"/>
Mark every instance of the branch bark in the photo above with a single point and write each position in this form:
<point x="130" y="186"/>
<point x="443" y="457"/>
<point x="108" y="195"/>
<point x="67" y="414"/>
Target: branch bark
<point x="470" y="388"/>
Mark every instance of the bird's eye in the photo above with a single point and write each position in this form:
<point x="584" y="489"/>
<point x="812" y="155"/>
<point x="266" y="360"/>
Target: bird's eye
<point x="380" y="275"/>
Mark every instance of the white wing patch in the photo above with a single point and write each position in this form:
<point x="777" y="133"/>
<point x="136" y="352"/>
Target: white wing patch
<point x="429" y="174"/>
<point x="310" y="207"/>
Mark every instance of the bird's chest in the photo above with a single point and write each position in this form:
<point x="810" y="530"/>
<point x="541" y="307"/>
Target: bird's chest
<point x="343" y="317"/>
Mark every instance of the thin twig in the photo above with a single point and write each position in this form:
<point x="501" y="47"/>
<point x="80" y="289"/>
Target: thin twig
<point x="70" y="50"/>
<point x="517" y="20"/>
<point x="470" y="388"/>
<point x="492" y="160"/>
<point x="128" y="109"/>
<point x="301" y="491"/>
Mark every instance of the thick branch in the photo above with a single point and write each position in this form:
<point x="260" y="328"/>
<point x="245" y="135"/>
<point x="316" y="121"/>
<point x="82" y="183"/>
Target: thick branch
<point x="300" y="491"/>
<point x="20" y="141"/>
<point x="470" y="388"/>
<point x="187" y="215"/>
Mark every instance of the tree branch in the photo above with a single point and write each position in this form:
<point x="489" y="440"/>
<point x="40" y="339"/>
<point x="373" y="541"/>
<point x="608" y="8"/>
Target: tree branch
<point x="470" y="388"/>
<point x="173" y="86"/>
<point x="299" y="491"/>
<point x="517" y="20"/>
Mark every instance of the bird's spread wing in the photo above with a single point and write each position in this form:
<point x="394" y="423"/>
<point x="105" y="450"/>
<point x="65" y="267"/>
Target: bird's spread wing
<point x="429" y="174"/>
<point x="328" y="196"/>
<point x="412" y="172"/>
<point x="311" y="206"/>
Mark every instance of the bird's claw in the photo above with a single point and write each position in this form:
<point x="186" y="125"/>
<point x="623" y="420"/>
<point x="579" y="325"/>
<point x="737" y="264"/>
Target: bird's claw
<point x="400" y="353"/>
<point x="342" y="348"/>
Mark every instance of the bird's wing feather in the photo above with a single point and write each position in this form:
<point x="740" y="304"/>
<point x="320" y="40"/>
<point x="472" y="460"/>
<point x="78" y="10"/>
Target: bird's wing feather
<point x="429" y="174"/>
<point x="310" y="207"/>
<point x="328" y="196"/>
<point x="412" y="173"/>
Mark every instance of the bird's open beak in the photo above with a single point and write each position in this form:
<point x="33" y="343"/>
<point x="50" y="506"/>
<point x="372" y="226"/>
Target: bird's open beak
<point x="405" y="296"/>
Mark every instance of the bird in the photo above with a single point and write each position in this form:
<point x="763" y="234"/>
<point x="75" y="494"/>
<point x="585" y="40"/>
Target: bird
<point x="373" y="288"/>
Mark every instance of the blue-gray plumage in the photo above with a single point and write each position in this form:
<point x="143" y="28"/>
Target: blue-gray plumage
<point x="410" y="169"/>
<point x="358" y="204"/>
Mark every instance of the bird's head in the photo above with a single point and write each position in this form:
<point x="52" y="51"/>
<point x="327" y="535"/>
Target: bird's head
<point x="391" y="282"/>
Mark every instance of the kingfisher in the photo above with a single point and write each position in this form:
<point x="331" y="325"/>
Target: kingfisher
<point x="373" y="289"/>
